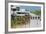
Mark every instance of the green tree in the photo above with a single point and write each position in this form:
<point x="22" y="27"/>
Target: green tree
<point x="37" y="12"/>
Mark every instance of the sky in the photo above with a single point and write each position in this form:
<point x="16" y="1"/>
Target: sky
<point x="31" y="8"/>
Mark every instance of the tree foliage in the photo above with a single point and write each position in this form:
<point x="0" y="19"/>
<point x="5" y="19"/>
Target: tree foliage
<point x="37" y="12"/>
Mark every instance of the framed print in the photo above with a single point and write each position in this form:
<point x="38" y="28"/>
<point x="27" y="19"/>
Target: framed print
<point x="24" y="16"/>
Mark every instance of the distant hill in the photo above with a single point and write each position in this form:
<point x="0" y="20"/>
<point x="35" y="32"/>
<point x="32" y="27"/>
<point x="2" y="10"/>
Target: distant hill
<point x="37" y="12"/>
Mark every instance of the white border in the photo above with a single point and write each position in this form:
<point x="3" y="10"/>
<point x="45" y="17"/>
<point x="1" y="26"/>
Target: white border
<point x="23" y="29"/>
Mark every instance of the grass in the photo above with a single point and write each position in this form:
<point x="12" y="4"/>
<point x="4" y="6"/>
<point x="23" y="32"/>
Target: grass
<point x="19" y="20"/>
